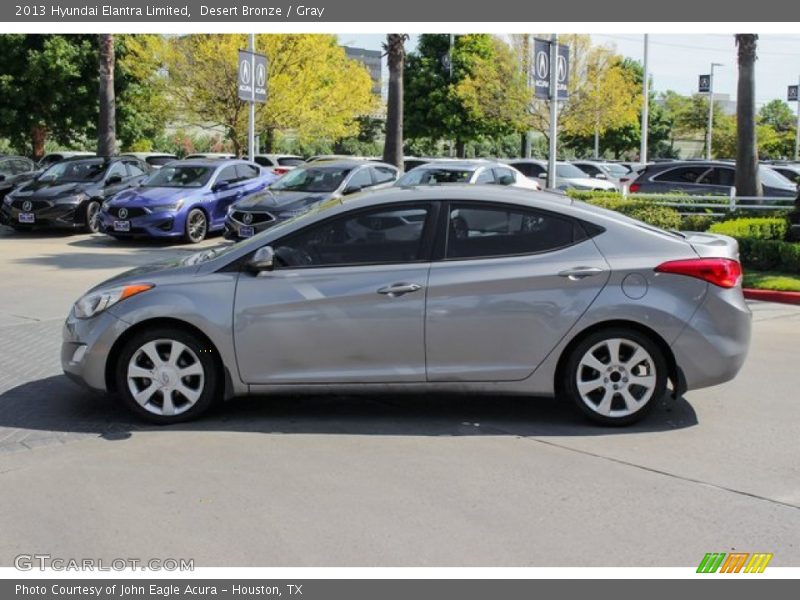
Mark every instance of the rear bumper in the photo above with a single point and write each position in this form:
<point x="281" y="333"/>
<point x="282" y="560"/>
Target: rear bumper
<point x="713" y="346"/>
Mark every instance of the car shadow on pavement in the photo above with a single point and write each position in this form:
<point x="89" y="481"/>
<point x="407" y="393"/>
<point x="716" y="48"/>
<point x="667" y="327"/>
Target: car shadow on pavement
<point x="56" y="407"/>
<point x="86" y="260"/>
<point x="106" y="241"/>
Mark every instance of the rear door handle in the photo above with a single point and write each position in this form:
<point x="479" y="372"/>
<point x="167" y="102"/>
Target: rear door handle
<point x="577" y="273"/>
<point x="398" y="289"/>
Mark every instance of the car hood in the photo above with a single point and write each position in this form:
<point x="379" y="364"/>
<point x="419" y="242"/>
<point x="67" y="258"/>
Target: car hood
<point x="167" y="269"/>
<point x="143" y="196"/>
<point x="270" y="200"/>
<point x="41" y="190"/>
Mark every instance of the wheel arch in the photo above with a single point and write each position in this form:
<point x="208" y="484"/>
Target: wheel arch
<point x="674" y="374"/>
<point x="226" y="384"/>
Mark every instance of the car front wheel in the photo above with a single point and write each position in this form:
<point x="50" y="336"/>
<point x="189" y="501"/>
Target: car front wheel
<point x="615" y="376"/>
<point x="92" y="217"/>
<point x="167" y="375"/>
<point x="196" y="226"/>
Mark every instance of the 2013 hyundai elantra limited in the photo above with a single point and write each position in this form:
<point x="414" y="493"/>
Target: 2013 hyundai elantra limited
<point x="450" y="288"/>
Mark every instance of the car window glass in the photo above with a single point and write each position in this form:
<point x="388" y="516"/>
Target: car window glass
<point x="159" y="161"/>
<point x="134" y="168"/>
<point x="485" y="176"/>
<point x="246" y="171"/>
<point x="360" y="179"/>
<point x="588" y="169"/>
<point x="6" y="168"/>
<point x="529" y="169"/>
<point x="682" y="174"/>
<point x="290" y="161"/>
<point x="23" y="166"/>
<point x="117" y="169"/>
<point x="383" y="174"/>
<point x="433" y="175"/>
<point x="502" y="172"/>
<point x="228" y="174"/>
<point x="264" y="161"/>
<point x="722" y="176"/>
<point x="378" y="236"/>
<point x="476" y="231"/>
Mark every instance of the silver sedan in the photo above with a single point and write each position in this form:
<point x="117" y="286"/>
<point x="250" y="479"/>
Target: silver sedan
<point x="455" y="288"/>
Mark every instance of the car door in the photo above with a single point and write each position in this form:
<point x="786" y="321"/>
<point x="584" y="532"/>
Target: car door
<point x="359" y="179"/>
<point x="511" y="283"/>
<point x="226" y="189"/>
<point x="344" y="304"/>
<point x="251" y="180"/>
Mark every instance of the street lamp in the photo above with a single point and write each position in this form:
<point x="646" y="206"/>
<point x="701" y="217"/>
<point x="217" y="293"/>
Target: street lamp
<point x="711" y="109"/>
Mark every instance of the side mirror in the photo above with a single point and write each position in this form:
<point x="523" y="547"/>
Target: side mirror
<point x="114" y="179"/>
<point x="262" y="260"/>
<point x="506" y="180"/>
<point x="221" y="185"/>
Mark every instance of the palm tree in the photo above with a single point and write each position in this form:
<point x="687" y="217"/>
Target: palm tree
<point x="396" y="57"/>
<point x="747" y="182"/>
<point x="107" y="122"/>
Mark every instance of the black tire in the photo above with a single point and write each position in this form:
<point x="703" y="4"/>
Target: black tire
<point x="91" y="217"/>
<point x="206" y="384"/>
<point x="196" y="227"/>
<point x="617" y="411"/>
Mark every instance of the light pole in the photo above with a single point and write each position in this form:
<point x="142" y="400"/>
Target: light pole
<point x="551" y="159"/>
<point x="797" y="127"/>
<point x="251" y="125"/>
<point x="645" y="107"/>
<point x="710" y="109"/>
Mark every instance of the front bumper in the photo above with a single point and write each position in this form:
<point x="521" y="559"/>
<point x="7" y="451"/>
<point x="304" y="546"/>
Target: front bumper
<point x="86" y="345"/>
<point x="233" y="227"/>
<point x="713" y="346"/>
<point x="52" y="216"/>
<point x="160" y="224"/>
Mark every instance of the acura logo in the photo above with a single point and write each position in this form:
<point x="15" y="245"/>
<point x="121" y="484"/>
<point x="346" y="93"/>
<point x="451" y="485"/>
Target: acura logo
<point x="247" y="218"/>
<point x="27" y="205"/>
<point x="562" y="68"/>
<point x="123" y="213"/>
<point x="245" y="72"/>
<point x="542" y="64"/>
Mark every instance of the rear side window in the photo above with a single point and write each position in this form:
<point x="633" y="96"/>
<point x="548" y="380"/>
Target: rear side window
<point x="485" y="231"/>
<point x="246" y="172"/>
<point x="588" y="169"/>
<point x="264" y="161"/>
<point x="159" y="161"/>
<point x="383" y="175"/>
<point x="682" y="175"/>
<point x="290" y="161"/>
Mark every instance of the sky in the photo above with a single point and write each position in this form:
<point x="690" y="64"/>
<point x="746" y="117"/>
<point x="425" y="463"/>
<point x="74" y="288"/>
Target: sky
<point x="676" y="61"/>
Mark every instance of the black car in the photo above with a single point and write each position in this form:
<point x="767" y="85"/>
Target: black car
<point x="705" y="178"/>
<point x="14" y="170"/>
<point x="68" y="195"/>
<point x="302" y="189"/>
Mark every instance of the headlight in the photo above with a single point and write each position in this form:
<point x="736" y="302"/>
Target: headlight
<point x="96" y="302"/>
<point x="162" y="207"/>
<point x="8" y="199"/>
<point x="76" y="199"/>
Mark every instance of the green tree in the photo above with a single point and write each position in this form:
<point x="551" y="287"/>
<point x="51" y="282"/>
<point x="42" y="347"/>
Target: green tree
<point x="48" y="86"/>
<point x="778" y="115"/>
<point x="474" y="91"/>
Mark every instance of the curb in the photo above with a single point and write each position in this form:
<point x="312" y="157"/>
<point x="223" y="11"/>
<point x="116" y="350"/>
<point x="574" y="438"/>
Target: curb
<point x="773" y="296"/>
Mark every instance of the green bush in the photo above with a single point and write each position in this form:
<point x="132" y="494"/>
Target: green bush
<point x="764" y="228"/>
<point x="696" y="222"/>
<point x="770" y="255"/>
<point x="653" y="214"/>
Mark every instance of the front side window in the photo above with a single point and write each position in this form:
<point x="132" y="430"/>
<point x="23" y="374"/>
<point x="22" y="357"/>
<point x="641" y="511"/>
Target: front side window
<point x="483" y="231"/>
<point x="385" y="235"/>
<point x="588" y="169"/>
<point x="178" y="176"/>
<point x="228" y="175"/>
<point x="485" y="176"/>
<point x="134" y="168"/>
<point x="529" y="169"/>
<point x="682" y="175"/>
<point x="246" y="172"/>
<point x="360" y="180"/>
<point x="383" y="174"/>
<point x="117" y="170"/>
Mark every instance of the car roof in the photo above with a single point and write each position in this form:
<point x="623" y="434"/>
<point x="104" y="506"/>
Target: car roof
<point x="460" y="164"/>
<point x="345" y="162"/>
<point x="212" y="162"/>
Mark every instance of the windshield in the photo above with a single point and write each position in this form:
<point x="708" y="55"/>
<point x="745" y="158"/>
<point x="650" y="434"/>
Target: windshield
<point x="312" y="179"/>
<point x="774" y="179"/>
<point x="567" y="170"/>
<point x="179" y="177"/>
<point x="432" y="176"/>
<point x="78" y="171"/>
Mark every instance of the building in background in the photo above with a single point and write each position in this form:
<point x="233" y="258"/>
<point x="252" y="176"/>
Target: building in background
<point x="373" y="60"/>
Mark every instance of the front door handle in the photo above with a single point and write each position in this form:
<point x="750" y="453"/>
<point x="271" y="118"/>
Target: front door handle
<point x="577" y="273"/>
<point x="398" y="289"/>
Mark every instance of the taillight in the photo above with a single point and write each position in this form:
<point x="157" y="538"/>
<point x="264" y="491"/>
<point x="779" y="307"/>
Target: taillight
<point x="724" y="272"/>
<point x="634" y="187"/>
<point x="280" y="170"/>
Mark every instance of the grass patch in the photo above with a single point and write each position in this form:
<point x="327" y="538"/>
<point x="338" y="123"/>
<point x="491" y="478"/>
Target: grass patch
<point x="771" y="280"/>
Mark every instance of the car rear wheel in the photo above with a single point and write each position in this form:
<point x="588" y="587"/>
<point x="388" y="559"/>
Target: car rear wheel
<point x="615" y="376"/>
<point x="167" y="375"/>
<point x="196" y="226"/>
<point x="92" y="217"/>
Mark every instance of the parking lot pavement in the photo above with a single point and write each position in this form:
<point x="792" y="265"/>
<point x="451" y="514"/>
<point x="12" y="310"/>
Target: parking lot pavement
<point x="391" y="481"/>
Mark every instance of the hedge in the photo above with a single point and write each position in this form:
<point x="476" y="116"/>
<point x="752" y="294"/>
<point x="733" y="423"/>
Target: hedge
<point x="770" y="255"/>
<point x="769" y="228"/>
<point x="664" y="217"/>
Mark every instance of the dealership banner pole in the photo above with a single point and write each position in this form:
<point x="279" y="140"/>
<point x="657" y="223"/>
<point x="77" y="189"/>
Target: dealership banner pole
<point x="645" y="106"/>
<point x="251" y="128"/>
<point x="551" y="161"/>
